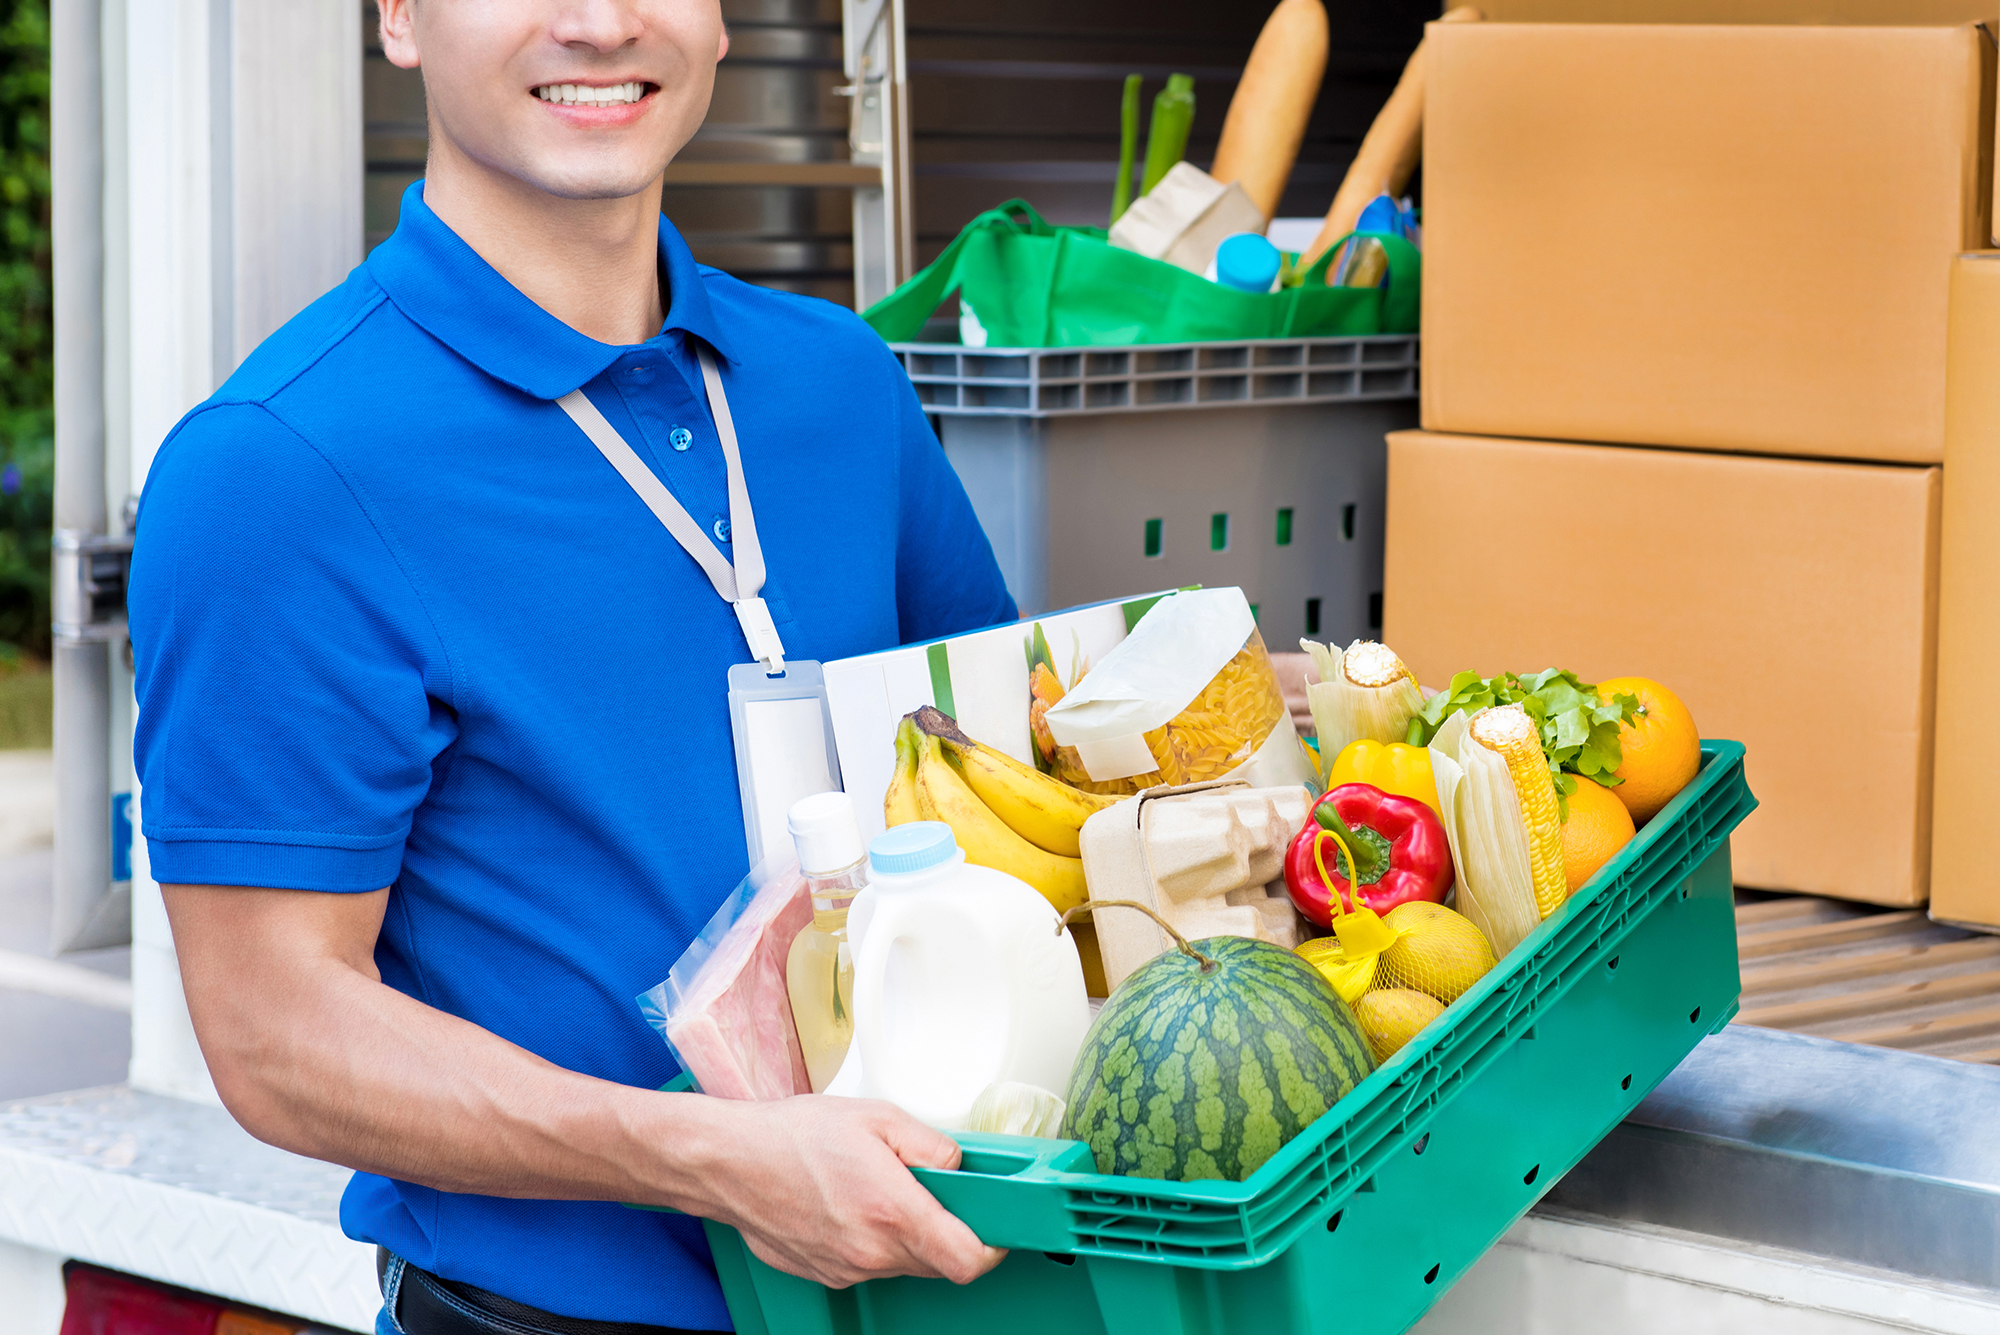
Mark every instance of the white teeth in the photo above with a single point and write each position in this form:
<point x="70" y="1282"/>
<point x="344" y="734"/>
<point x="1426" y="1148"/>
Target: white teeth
<point x="577" y="94"/>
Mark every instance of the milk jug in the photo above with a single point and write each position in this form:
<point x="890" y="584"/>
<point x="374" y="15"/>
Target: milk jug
<point x="961" y="978"/>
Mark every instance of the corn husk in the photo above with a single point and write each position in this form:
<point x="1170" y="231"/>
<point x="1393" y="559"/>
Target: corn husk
<point x="1488" y="835"/>
<point x="1344" y="710"/>
<point x="1010" y="1108"/>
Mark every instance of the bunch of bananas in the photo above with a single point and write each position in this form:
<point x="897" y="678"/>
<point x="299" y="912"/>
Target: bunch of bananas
<point x="1006" y="815"/>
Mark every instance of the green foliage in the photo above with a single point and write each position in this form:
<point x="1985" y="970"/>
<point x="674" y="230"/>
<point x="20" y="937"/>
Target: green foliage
<point x="27" y="708"/>
<point x="1579" y="731"/>
<point x="27" y="411"/>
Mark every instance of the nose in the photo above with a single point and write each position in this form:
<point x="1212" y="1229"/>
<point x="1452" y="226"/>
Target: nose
<point x="599" y="25"/>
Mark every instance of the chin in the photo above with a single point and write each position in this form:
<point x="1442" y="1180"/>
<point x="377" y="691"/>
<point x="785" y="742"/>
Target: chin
<point x="605" y="181"/>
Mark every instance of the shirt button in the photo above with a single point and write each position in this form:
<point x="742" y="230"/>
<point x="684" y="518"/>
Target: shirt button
<point x="721" y="529"/>
<point x="680" y="438"/>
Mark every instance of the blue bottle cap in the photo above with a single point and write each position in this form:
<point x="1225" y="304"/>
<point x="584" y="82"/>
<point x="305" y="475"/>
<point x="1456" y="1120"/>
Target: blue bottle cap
<point x="916" y="846"/>
<point x="1246" y="261"/>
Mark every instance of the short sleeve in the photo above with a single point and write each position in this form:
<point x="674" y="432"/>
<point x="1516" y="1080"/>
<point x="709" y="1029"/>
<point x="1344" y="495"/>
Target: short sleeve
<point x="947" y="581"/>
<point x="293" y="693"/>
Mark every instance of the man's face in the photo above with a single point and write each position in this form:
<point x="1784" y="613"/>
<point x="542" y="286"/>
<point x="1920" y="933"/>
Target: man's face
<point x="584" y="99"/>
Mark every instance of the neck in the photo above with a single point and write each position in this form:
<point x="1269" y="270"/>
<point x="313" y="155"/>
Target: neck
<point x="591" y="263"/>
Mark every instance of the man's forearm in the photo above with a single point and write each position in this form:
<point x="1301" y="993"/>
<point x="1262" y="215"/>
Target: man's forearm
<point x="321" y="1058"/>
<point x="313" y="1053"/>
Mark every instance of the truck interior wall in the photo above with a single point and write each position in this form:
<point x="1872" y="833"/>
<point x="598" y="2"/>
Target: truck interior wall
<point x="1017" y="99"/>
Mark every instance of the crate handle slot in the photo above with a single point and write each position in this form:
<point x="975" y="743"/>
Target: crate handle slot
<point x="1001" y="1189"/>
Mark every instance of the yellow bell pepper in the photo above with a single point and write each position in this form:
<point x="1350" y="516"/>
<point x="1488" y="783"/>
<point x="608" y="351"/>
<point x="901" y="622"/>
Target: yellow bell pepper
<point x="1394" y="767"/>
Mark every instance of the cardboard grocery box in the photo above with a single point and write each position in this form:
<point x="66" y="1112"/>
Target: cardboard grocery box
<point x="1965" y="886"/>
<point x="1707" y="237"/>
<point x="981" y="679"/>
<point x="1791" y="604"/>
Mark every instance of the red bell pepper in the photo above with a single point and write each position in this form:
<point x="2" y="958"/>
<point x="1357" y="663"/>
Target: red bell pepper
<point x="1398" y="842"/>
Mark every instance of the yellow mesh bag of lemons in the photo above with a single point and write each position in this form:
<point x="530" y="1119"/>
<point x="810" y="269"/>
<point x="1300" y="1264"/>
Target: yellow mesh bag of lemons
<point x="1401" y="971"/>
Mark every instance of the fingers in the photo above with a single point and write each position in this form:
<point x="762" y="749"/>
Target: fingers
<point x="937" y="1240"/>
<point x="865" y="1217"/>
<point x="917" y="1145"/>
<point x="954" y="1252"/>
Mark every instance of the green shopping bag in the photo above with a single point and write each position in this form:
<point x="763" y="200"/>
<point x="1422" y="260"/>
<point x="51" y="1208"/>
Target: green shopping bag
<point x="1033" y="285"/>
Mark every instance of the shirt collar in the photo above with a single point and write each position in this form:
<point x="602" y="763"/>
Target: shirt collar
<point x="443" y="285"/>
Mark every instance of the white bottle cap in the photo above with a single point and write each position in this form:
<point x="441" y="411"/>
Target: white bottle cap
<point x="825" y="832"/>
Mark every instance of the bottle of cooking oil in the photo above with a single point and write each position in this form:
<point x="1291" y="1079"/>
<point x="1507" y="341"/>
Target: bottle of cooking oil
<point x="819" y="972"/>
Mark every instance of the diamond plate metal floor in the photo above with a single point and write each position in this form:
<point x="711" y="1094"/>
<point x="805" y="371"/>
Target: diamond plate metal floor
<point x="176" y="1191"/>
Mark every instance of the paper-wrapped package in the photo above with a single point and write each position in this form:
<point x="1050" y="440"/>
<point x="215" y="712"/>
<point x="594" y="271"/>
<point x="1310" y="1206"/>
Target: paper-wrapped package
<point x="1188" y="696"/>
<point x="1185" y="217"/>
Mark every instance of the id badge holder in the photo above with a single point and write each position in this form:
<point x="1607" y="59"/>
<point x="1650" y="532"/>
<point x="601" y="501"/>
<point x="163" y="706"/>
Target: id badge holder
<point x="783" y="732"/>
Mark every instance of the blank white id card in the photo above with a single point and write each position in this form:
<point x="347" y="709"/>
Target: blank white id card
<point x="784" y="749"/>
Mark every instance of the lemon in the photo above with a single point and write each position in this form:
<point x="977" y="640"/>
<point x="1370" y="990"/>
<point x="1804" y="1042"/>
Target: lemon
<point x="1394" y="1016"/>
<point x="1437" y="951"/>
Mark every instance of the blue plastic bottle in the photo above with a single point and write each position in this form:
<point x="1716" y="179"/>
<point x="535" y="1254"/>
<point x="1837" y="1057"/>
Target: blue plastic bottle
<point x="1247" y="262"/>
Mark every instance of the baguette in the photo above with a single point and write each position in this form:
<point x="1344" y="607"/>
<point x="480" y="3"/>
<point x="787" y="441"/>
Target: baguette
<point x="1267" y="116"/>
<point x="1388" y="154"/>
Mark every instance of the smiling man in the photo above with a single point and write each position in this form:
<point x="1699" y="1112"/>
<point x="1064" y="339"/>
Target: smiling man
<point x="434" y="736"/>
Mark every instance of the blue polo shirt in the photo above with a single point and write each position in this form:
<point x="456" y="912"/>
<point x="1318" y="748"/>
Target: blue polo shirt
<point x="396" y="622"/>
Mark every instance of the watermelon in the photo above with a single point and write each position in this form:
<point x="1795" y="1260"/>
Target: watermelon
<point x="1188" y="1074"/>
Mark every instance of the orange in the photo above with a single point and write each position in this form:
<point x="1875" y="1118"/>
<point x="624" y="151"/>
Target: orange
<point x="1662" y="746"/>
<point x="1598" y="826"/>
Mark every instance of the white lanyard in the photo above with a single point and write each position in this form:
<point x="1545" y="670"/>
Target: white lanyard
<point x="739" y="584"/>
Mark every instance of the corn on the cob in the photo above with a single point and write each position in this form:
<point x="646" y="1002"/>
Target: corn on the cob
<point x="1363" y="692"/>
<point x="1509" y="733"/>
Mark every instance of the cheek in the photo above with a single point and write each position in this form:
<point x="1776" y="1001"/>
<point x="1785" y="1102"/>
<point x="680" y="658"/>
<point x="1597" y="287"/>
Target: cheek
<point x="468" y="61"/>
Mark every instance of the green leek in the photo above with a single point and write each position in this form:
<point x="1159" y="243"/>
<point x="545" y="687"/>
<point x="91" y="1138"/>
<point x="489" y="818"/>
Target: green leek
<point x="1128" y="146"/>
<point x="1166" y="141"/>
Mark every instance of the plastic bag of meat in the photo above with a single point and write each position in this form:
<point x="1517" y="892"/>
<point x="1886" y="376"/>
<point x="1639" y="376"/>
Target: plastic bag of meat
<point x="724" y="1009"/>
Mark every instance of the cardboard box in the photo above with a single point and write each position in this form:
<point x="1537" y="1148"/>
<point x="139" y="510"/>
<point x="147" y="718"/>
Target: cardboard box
<point x="1877" y="13"/>
<point x="1724" y="238"/>
<point x="1791" y="604"/>
<point x="1964" y="885"/>
<point x="981" y="679"/>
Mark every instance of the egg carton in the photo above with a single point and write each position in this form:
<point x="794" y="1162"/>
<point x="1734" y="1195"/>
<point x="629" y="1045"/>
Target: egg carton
<point x="1209" y="858"/>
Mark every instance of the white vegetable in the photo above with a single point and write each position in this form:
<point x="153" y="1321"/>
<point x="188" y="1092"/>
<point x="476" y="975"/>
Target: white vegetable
<point x="1489" y="836"/>
<point x="1011" y="1108"/>
<point x="1363" y="693"/>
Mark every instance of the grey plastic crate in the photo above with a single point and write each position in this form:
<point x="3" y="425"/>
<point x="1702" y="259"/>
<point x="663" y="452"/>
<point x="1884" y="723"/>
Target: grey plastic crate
<point x="1100" y="471"/>
<point x="1048" y="382"/>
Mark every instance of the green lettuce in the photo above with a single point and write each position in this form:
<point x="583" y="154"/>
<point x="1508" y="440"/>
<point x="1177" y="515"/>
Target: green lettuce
<point x="1579" y="729"/>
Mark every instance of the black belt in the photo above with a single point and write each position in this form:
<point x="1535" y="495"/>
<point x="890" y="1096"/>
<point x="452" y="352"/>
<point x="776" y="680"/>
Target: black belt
<point x="428" y="1305"/>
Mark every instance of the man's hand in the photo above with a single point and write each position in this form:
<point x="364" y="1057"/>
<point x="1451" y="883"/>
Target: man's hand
<point x="820" y="1187"/>
<point x="313" y="1053"/>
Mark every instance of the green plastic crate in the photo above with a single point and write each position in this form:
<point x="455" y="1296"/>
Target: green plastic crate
<point x="1366" y="1218"/>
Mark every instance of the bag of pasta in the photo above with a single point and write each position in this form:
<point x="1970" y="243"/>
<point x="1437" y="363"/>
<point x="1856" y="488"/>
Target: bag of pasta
<point x="1189" y="695"/>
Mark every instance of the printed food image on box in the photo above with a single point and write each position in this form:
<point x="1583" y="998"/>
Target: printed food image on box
<point x="1165" y="688"/>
